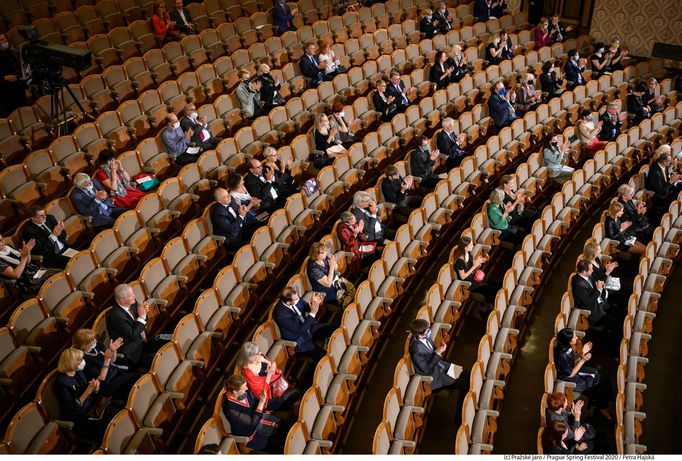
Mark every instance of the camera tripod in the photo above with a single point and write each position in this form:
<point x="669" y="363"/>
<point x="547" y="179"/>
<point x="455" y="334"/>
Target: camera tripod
<point x="55" y="84"/>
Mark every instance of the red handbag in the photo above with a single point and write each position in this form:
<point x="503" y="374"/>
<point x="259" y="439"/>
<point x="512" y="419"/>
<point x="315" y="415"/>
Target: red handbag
<point x="479" y="275"/>
<point x="278" y="387"/>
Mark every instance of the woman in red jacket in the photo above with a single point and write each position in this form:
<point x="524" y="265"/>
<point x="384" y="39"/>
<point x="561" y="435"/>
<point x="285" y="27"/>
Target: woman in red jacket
<point x="350" y="234"/>
<point x="164" y="28"/>
<point x="542" y="34"/>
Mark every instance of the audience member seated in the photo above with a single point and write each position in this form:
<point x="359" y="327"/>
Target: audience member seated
<point x="636" y="105"/>
<point x="588" y="131"/>
<point x="248" y="417"/>
<point x="602" y="272"/>
<point x="570" y="367"/>
<point x="427" y="360"/>
<point x="116" y="181"/>
<point x="440" y="73"/>
<point x="283" y="17"/>
<point x="327" y="140"/>
<point x="261" y="187"/>
<point x="499" y="217"/>
<point x="601" y="61"/>
<point x="337" y="121"/>
<point x="468" y="269"/>
<point x="551" y="80"/>
<point x="90" y="199"/>
<point x="428" y="25"/>
<point x="164" y="28"/>
<point x="231" y="220"/>
<point x="543" y="37"/>
<point x="127" y="319"/>
<point x="652" y="96"/>
<point x="444" y="18"/>
<point x="311" y="66"/>
<point x="269" y="90"/>
<point x="114" y="381"/>
<point x="618" y="55"/>
<point x="634" y="212"/>
<point x="611" y="122"/>
<point x="622" y="231"/>
<point x="481" y="10"/>
<point x="557" y="410"/>
<point x="178" y="142"/>
<point x="498" y="8"/>
<point x="183" y="20"/>
<point x="350" y="233"/>
<point x="285" y="183"/>
<point x="555" y="440"/>
<point x="398" y="90"/>
<point x="500" y="106"/>
<point x="384" y="103"/>
<point x="422" y="161"/>
<point x="592" y="295"/>
<point x="521" y="215"/>
<point x="324" y="276"/>
<point x="16" y="266"/>
<point x="12" y="85"/>
<point x="573" y="69"/>
<point x="365" y="209"/>
<point x="527" y="96"/>
<point x="201" y="136"/>
<point x="297" y="321"/>
<point x="501" y="48"/>
<point x="660" y="180"/>
<point x="333" y="66"/>
<point x="557" y="32"/>
<point x="50" y="238"/>
<point x="262" y="375"/>
<point x="450" y="144"/>
<point x="459" y="61"/>
<point x="554" y="158"/>
<point x="394" y="189"/>
<point x="249" y="96"/>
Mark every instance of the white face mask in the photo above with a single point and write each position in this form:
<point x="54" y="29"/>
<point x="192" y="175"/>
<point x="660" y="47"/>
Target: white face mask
<point x="91" y="188"/>
<point x="92" y="346"/>
<point x="176" y="125"/>
<point x="342" y="113"/>
<point x="193" y="116"/>
<point x="81" y="366"/>
<point x="4" y="46"/>
<point x="427" y="333"/>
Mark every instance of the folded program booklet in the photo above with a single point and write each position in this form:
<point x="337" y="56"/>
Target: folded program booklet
<point x="70" y="253"/>
<point x="455" y="371"/>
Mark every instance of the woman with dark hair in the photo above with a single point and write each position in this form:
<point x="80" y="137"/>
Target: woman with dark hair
<point x="554" y="158"/>
<point x="555" y="440"/>
<point x="551" y="80"/>
<point x="588" y="131"/>
<point x="337" y="120"/>
<point x="587" y="380"/>
<point x="600" y="61"/>
<point x="466" y="266"/>
<point x="117" y="181"/>
<point x="440" y="72"/>
<point x="323" y="273"/>
<point x="636" y="105"/>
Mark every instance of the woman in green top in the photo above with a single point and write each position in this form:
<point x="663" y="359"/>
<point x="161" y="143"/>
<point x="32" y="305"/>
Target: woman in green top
<point x="498" y="217"/>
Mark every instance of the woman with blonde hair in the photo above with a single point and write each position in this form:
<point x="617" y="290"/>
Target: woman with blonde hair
<point x="499" y="217"/>
<point x="286" y="184"/>
<point x="262" y="375"/>
<point x="327" y="139"/>
<point x="460" y="62"/>
<point x="621" y="231"/>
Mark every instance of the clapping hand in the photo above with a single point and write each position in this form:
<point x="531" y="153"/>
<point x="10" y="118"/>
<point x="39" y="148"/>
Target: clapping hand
<point x="58" y="229"/>
<point x="332" y="262"/>
<point x="577" y="407"/>
<point x="100" y="195"/>
<point x="509" y="206"/>
<point x="118" y="342"/>
<point x="263" y="398"/>
<point x="578" y="434"/>
<point x="600" y="284"/>
<point x="27" y="247"/>
<point x="479" y="260"/>
<point x="434" y="154"/>
<point x="587" y="347"/>
<point x="243" y="210"/>
<point x="625" y="225"/>
<point x="587" y="356"/>
<point x="390" y="99"/>
<point x="272" y="368"/>
<point x="93" y="385"/>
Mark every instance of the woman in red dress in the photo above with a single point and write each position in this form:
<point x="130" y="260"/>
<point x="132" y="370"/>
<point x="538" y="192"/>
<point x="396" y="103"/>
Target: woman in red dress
<point x="164" y="28"/>
<point x="115" y="179"/>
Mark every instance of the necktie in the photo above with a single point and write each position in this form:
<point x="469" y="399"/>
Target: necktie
<point x="133" y="312"/>
<point x="298" y="313"/>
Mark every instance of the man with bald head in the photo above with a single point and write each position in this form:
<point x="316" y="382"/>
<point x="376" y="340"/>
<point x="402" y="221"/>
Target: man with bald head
<point x="177" y="142"/>
<point x="229" y="219"/>
<point x="262" y="186"/>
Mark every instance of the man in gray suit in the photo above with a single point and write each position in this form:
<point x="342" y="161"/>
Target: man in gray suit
<point x="248" y="93"/>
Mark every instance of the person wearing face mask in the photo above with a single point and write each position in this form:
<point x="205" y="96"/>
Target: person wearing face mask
<point x="617" y="54"/>
<point x="12" y="87"/>
<point x="115" y="381"/>
<point x="611" y="122"/>
<point x="428" y="25"/>
<point x="460" y="62"/>
<point x="574" y="69"/>
<point x="500" y="106"/>
<point x="427" y="359"/>
<point x="117" y="181"/>
<point x="551" y="80"/>
<point x="365" y="209"/>
<point x="249" y="96"/>
<point x="542" y="34"/>
<point x="336" y="116"/>
<point x="527" y="97"/>
<point x="201" y="136"/>
<point x="248" y="417"/>
<point x="601" y="62"/>
<point x="422" y="161"/>
<point x="78" y="398"/>
<point x="16" y="266"/>
<point x="588" y="131"/>
<point x="636" y="105"/>
<point x="444" y="18"/>
<point x="90" y="199"/>
<point x="298" y="321"/>
<point x="270" y="86"/>
<point x="178" y="143"/>
<point x="554" y="158"/>
<point x="283" y="17"/>
<point x="450" y="144"/>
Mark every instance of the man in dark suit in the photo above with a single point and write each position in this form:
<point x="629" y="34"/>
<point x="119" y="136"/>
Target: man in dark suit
<point x="500" y="106"/>
<point x="427" y="25"/>
<point x="201" y="136"/>
<point x="229" y="219"/>
<point x="591" y="295"/>
<point x="49" y="236"/>
<point x="260" y="187"/>
<point x="283" y="16"/>
<point x="481" y="10"/>
<point x="658" y="179"/>
<point x="635" y="212"/>
<point x="90" y="199"/>
<point x="422" y="161"/>
<point x="127" y="319"/>
<point x="394" y="188"/>
<point x="611" y="123"/>
<point x="448" y="143"/>
<point x="442" y="15"/>
<point x="296" y="320"/>
<point x="183" y="20"/>
<point x="397" y="89"/>
<point x="312" y="68"/>
<point x="427" y="359"/>
<point x="573" y="70"/>
<point x="365" y="209"/>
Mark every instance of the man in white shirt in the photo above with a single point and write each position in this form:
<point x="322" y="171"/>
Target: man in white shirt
<point x="183" y="20"/>
<point x="365" y="209"/>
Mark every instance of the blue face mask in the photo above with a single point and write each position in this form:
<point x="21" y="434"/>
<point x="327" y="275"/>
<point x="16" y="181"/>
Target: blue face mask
<point x="502" y="92"/>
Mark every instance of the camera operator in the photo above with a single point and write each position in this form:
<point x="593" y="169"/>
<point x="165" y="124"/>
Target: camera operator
<point x="12" y="86"/>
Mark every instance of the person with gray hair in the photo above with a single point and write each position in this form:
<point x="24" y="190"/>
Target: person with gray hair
<point x="90" y="199"/>
<point x="450" y="143"/>
<point x="635" y="212"/>
<point x="499" y="217"/>
<point x="611" y="122"/>
<point x="366" y="210"/>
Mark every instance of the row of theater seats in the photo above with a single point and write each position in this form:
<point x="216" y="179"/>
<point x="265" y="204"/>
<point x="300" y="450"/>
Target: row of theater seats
<point x="586" y="190"/>
<point x="638" y="323"/>
<point x="177" y="279"/>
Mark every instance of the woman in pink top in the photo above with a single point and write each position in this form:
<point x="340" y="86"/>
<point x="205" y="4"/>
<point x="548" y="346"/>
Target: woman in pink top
<point x="542" y="35"/>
